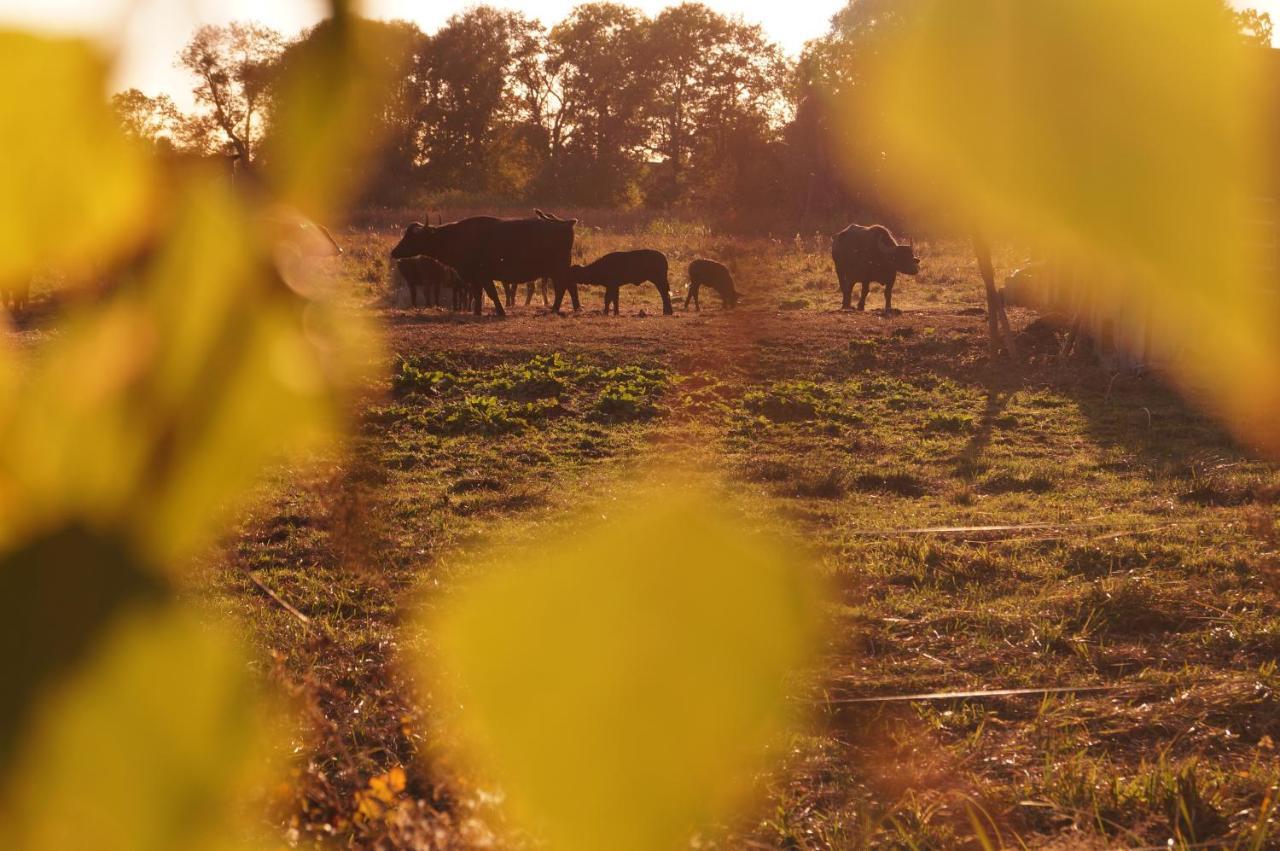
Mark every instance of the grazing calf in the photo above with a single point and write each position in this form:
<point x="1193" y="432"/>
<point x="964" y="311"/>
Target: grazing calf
<point x="626" y="267"/>
<point x="868" y="255"/>
<point x="709" y="273"/>
<point x="431" y="275"/>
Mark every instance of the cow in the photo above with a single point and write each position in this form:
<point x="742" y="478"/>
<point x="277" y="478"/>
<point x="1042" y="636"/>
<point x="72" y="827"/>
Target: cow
<point x="614" y="270"/>
<point x="868" y="255"/>
<point x="431" y="275"/>
<point x="709" y="273"/>
<point x="485" y="249"/>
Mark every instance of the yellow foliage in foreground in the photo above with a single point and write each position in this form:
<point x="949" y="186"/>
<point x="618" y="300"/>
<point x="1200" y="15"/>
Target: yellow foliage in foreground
<point x="1125" y="142"/>
<point x="626" y="685"/>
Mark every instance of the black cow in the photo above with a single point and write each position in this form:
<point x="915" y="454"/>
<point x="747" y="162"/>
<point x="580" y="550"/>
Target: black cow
<point x="626" y="267"/>
<point x="431" y="275"/>
<point x="709" y="273"/>
<point x="869" y="255"/>
<point x="485" y="249"/>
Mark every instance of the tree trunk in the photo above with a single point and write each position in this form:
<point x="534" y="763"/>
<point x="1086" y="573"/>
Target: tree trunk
<point x="998" y="332"/>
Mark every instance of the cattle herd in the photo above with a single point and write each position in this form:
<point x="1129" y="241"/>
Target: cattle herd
<point x="470" y="256"/>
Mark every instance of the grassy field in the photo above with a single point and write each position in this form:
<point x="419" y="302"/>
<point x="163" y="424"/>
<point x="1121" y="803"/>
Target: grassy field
<point x="1144" y="562"/>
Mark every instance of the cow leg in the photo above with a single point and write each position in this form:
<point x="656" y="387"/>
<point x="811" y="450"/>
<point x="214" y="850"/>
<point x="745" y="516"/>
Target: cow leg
<point x="413" y="294"/>
<point x="862" y="299"/>
<point x="528" y="293"/>
<point x="664" y="290"/>
<point x="433" y="297"/>
<point x="510" y="293"/>
<point x="573" y="296"/>
<point x="846" y="291"/>
<point x="559" y="287"/>
<point x="486" y="287"/>
<point x="543" y="285"/>
<point x="888" y="298"/>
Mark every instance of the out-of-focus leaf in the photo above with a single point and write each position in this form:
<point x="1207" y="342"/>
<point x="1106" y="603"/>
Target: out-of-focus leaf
<point x="624" y="684"/>
<point x="334" y="83"/>
<point x="56" y="593"/>
<point x="147" y="748"/>
<point x="1122" y="139"/>
<point x="155" y="409"/>
<point x="74" y="192"/>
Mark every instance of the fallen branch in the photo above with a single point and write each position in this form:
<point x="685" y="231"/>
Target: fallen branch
<point x="968" y="695"/>
<point x="284" y="604"/>
<point x="961" y="530"/>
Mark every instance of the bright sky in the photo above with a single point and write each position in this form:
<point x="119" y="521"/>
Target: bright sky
<point x="147" y="34"/>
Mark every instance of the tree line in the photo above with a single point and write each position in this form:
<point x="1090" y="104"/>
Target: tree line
<point x="609" y="107"/>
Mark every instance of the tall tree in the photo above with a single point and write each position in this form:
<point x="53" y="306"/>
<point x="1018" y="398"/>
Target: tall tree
<point x="599" y="54"/>
<point x="232" y="65"/>
<point x="148" y="119"/>
<point x="470" y="104"/>
<point x="718" y="96"/>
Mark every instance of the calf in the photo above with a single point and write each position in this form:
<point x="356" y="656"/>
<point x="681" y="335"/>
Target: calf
<point x="709" y="273"/>
<point x="625" y="267"/>
<point x="868" y="255"/>
<point x="431" y="275"/>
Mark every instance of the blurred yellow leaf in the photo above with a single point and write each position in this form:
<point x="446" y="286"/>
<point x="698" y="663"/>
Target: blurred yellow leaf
<point x="623" y="684"/>
<point x="158" y="406"/>
<point x="1122" y="139"/>
<point x="74" y="192"/>
<point x="149" y="747"/>
<point x="334" y="83"/>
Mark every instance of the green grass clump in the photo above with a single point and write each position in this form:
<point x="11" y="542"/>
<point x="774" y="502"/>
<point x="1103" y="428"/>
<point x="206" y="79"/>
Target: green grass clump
<point x="410" y="377"/>
<point x="789" y="401"/>
<point x="949" y="424"/>
<point x="541" y="377"/>
<point x="487" y="415"/>
<point x="629" y="393"/>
